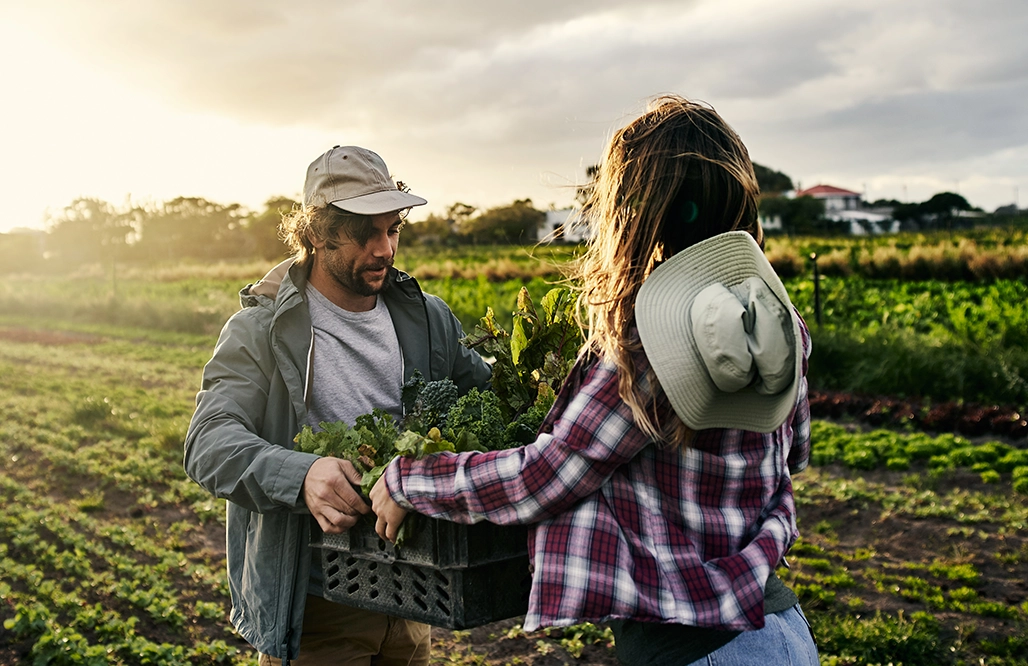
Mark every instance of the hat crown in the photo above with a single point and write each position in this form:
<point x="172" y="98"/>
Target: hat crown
<point x="739" y="376"/>
<point x="356" y="180"/>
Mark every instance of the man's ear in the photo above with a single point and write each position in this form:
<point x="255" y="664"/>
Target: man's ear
<point x="316" y="243"/>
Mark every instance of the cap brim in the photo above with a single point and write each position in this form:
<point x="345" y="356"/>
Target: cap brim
<point x="378" y="203"/>
<point x="662" y="312"/>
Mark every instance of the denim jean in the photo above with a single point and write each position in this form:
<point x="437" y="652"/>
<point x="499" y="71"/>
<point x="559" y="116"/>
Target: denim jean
<point x="785" y="640"/>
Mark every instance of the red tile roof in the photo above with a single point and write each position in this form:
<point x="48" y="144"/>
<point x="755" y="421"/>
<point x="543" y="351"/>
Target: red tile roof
<point x="825" y="191"/>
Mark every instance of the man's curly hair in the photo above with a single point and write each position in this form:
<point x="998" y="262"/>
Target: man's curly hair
<point x="304" y="225"/>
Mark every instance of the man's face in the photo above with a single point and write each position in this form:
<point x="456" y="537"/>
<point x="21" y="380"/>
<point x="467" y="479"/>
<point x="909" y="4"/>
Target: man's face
<point x="361" y="270"/>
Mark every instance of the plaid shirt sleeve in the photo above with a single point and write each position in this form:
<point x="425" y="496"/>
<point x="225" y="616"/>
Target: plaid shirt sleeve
<point x="592" y="437"/>
<point x="799" y="454"/>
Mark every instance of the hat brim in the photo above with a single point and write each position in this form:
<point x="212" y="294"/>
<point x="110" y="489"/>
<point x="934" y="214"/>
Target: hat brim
<point x="377" y="203"/>
<point x="662" y="313"/>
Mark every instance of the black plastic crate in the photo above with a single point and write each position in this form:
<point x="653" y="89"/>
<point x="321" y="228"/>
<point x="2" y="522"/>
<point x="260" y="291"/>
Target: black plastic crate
<point x="438" y="543"/>
<point x="446" y="574"/>
<point x="459" y="598"/>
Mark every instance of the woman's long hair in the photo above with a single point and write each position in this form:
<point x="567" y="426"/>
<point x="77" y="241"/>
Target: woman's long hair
<point x="675" y="176"/>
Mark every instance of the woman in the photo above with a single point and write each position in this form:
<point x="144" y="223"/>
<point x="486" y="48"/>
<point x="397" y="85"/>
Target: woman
<point x="659" y="486"/>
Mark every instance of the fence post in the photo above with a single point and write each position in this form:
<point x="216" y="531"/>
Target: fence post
<point x="817" y="290"/>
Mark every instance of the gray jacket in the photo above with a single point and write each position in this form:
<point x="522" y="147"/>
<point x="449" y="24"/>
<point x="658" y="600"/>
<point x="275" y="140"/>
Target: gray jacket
<point x="252" y="402"/>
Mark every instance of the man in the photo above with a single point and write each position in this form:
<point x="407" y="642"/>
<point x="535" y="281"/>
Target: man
<point x="327" y="335"/>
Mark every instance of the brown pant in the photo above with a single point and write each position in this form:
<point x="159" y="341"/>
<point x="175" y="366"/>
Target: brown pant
<point x="338" y="635"/>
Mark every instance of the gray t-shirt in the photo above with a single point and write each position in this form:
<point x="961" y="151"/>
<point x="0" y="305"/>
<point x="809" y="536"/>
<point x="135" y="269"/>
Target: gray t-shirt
<point x="357" y="365"/>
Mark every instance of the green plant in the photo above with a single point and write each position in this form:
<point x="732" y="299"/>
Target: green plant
<point x="880" y="639"/>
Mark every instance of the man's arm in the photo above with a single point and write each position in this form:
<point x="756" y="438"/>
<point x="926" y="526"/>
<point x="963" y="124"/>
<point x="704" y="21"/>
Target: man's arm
<point x="225" y="454"/>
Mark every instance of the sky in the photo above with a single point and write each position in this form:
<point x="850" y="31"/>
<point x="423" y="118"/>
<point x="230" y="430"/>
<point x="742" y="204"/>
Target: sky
<point x="142" y="101"/>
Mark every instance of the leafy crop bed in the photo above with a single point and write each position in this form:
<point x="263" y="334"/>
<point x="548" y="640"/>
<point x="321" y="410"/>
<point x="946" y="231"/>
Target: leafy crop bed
<point x="913" y="516"/>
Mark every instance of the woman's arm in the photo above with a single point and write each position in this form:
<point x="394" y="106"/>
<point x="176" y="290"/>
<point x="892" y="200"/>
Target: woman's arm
<point x="593" y="436"/>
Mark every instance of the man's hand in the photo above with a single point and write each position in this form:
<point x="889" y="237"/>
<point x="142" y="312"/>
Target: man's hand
<point x="389" y="514"/>
<point x="330" y="497"/>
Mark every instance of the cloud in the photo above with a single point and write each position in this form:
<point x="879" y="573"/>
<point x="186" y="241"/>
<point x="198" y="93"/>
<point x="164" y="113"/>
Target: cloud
<point x="523" y="94"/>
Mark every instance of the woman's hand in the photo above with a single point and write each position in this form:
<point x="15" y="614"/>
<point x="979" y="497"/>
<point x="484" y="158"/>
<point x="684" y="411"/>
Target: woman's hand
<point x="389" y="514"/>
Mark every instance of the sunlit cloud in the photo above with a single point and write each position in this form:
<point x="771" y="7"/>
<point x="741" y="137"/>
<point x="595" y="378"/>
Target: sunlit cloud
<point x="231" y="100"/>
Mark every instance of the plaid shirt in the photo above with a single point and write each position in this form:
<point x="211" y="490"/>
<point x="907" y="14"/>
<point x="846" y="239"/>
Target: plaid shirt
<point x="623" y="527"/>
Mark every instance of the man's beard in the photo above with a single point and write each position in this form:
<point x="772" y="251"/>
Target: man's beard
<point x="351" y="277"/>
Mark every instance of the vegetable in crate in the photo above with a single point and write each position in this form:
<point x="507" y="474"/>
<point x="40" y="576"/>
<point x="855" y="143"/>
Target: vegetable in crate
<point x="531" y="362"/>
<point x="425" y="404"/>
<point x="538" y="353"/>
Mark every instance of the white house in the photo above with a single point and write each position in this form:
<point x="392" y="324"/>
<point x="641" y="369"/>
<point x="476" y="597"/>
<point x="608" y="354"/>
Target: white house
<point x="847" y="207"/>
<point x="835" y="198"/>
<point x="563" y="225"/>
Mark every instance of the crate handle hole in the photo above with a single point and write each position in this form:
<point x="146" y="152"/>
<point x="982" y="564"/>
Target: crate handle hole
<point x="353" y="588"/>
<point x="443" y="607"/>
<point x="373" y="580"/>
<point x="373" y="594"/>
<point x="421" y="603"/>
<point x="332" y="570"/>
<point x="442" y="592"/>
<point x="422" y="590"/>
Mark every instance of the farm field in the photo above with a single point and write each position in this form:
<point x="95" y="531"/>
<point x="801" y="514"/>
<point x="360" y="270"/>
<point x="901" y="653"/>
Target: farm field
<point x="915" y="539"/>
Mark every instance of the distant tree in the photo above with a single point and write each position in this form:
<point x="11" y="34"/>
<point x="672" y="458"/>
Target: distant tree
<point x="802" y="215"/>
<point x="263" y="228"/>
<point x="771" y="181"/>
<point x="21" y="252"/>
<point x="515" y="223"/>
<point x="88" y="230"/>
<point x="937" y="211"/>
<point x="459" y="213"/>
<point x="905" y="212"/>
<point x="945" y="204"/>
<point x="433" y="230"/>
<point x="196" y="228"/>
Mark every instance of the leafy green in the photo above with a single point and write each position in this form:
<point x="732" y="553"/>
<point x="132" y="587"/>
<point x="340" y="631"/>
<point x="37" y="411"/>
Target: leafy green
<point x="477" y="413"/>
<point x="541" y="348"/>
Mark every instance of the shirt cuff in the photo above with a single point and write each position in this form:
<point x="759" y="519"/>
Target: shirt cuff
<point x="394" y="483"/>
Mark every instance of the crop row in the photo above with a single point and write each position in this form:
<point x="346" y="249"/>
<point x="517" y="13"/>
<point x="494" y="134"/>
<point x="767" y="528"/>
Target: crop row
<point x="965" y="418"/>
<point x="964" y="260"/>
<point x="78" y="587"/>
<point x="882" y="566"/>
<point x="888" y="449"/>
<point x="989" y="315"/>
